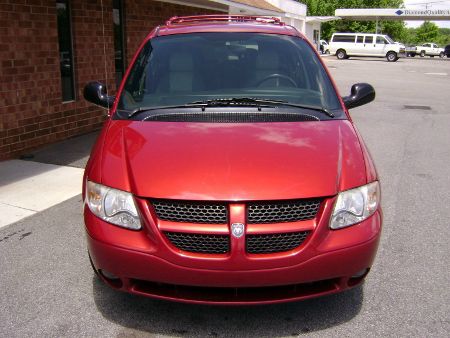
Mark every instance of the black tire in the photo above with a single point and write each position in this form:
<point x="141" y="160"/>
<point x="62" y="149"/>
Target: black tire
<point x="413" y="55"/>
<point x="341" y="54"/>
<point x="391" y="56"/>
<point x="441" y="55"/>
<point x="422" y="54"/>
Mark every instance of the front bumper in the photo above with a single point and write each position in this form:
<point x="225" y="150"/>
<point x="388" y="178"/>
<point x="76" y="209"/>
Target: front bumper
<point x="144" y="263"/>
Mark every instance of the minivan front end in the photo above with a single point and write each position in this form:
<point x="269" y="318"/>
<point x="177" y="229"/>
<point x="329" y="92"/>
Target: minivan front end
<point x="230" y="172"/>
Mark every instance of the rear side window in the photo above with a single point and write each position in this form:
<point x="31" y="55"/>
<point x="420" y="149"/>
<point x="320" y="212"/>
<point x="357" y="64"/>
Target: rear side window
<point x="368" y="39"/>
<point x="344" y="38"/>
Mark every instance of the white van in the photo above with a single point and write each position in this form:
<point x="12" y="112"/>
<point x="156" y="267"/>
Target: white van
<point x="344" y="45"/>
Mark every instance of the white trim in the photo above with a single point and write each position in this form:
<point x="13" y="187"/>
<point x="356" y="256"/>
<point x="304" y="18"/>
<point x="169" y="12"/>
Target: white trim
<point x="190" y="4"/>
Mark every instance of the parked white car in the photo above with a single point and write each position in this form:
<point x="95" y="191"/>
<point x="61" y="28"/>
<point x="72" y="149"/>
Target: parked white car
<point x="344" y="45"/>
<point x="430" y="49"/>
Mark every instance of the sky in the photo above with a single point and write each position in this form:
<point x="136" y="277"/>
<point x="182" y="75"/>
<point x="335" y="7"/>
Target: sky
<point x="432" y="4"/>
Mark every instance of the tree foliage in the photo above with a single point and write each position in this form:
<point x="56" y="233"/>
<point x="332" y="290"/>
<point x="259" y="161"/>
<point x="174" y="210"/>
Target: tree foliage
<point x="428" y="31"/>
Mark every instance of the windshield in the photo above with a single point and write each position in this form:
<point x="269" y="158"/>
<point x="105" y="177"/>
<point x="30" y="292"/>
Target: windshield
<point x="183" y="68"/>
<point x="389" y="39"/>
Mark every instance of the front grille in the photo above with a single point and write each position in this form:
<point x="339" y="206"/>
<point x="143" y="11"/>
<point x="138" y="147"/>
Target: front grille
<point x="200" y="243"/>
<point x="271" y="243"/>
<point x="191" y="212"/>
<point x="284" y="211"/>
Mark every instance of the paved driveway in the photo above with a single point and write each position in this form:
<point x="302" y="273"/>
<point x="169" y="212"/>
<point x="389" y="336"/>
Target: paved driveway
<point x="48" y="289"/>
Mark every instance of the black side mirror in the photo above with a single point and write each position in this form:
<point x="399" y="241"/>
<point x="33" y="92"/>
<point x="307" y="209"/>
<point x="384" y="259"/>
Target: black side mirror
<point x="361" y="93"/>
<point x="95" y="92"/>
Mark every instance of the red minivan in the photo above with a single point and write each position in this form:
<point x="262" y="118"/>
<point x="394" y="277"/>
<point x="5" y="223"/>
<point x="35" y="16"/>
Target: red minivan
<point x="229" y="170"/>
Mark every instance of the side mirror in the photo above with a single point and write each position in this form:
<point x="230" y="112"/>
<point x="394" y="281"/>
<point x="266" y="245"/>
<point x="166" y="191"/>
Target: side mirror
<point x="95" y="92"/>
<point x="361" y="93"/>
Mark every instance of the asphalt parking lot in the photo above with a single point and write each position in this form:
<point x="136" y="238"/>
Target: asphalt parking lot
<point x="49" y="290"/>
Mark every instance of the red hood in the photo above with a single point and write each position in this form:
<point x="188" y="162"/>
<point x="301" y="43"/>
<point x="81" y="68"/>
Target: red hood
<point x="206" y="161"/>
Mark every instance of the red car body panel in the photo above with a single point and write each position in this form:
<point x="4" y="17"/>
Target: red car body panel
<point x="178" y="160"/>
<point x="235" y="163"/>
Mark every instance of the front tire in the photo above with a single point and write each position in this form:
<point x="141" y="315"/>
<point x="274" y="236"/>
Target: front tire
<point x="391" y="56"/>
<point x="441" y="55"/>
<point x="341" y="54"/>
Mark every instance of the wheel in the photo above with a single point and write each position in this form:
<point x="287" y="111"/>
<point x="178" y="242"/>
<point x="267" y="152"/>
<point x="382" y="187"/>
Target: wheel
<point x="278" y="77"/>
<point x="391" y="56"/>
<point x="341" y="54"/>
<point x="422" y="54"/>
<point x="441" y="55"/>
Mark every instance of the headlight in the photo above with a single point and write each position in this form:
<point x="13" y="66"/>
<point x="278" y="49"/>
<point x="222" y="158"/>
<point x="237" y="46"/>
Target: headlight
<point x="355" y="205"/>
<point x="112" y="205"/>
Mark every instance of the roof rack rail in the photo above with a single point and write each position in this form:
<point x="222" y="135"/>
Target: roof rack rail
<point x="225" y="18"/>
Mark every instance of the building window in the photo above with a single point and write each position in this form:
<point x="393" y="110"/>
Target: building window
<point x="119" y="40"/>
<point x="65" y="50"/>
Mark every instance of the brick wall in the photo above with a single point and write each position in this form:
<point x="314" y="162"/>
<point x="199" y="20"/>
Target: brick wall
<point x="31" y="109"/>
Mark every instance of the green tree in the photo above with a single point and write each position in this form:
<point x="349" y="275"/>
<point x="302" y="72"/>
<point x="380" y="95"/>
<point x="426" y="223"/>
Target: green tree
<point x="427" y="32"/>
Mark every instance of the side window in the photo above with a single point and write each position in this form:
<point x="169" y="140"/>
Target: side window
<point x="65" y="50"/>
<point x="368" y="39"/>
<point x="344" y="38"/>
<point x="381" y="40"/>
<point x="359" y="39"/>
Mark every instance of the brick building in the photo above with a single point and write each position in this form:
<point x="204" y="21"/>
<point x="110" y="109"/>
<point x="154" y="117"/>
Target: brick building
<point x="49" y="49"/>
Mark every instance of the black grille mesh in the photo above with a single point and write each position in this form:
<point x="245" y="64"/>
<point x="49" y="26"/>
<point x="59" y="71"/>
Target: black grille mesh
<point x="271" y="243"/>
<point x="200" y="243"/>
<point x="191" y="212"/>
<point x="231" y="117"/>
<point x="285" y="211"/>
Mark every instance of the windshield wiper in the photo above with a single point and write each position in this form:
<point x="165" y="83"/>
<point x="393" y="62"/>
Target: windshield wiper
<point x="258" y="102"/>
<point x="145" y="109"/>
<point x="233" y="101"/>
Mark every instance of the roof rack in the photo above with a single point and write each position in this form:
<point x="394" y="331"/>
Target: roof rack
<point x="224" y="18"/>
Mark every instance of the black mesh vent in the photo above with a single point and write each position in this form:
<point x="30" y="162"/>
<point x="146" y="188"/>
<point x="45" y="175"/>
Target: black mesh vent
<point x="284" y="211"/>
<point x="200" y="243"/>
<point x="191" y="212"/>
<point x="270" y="243"/>
<point x="231" y="117"/>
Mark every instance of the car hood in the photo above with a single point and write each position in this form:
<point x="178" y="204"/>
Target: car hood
<point x="222" y="161"/>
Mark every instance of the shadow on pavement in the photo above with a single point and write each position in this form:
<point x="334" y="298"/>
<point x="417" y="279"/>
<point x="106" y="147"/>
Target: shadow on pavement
<point x="140" y="315"/>
<point x="73" y="152"/>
